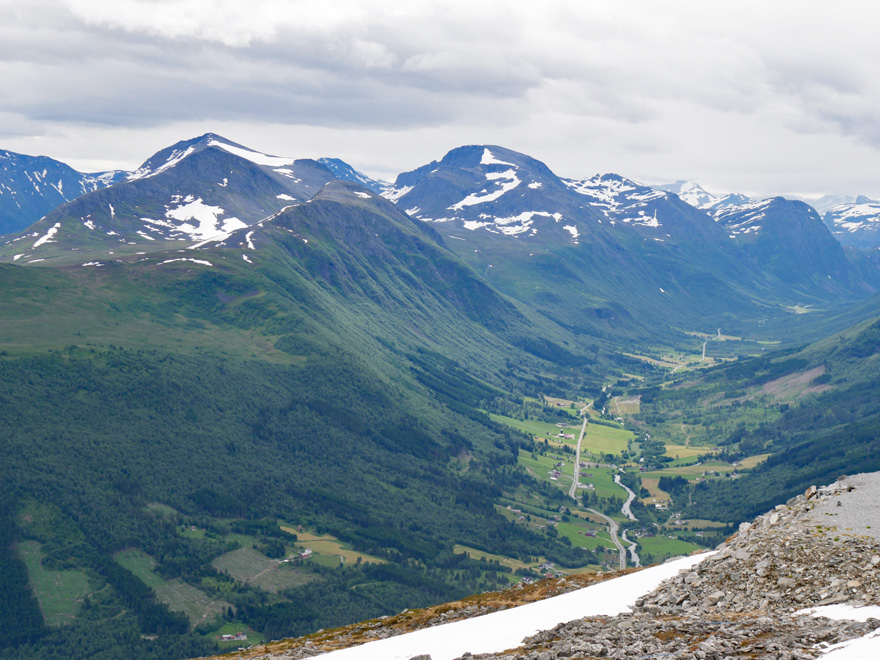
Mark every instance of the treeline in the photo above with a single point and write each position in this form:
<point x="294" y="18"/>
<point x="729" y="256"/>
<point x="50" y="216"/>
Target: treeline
<point x="152" y="616"/>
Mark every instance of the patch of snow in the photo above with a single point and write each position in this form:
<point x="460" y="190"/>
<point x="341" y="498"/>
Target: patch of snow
<point x="475" y="224"/>
<point x="505" y="182"/>
<point x="93" y="263"/>
<point x="89" y="224"/>
<point x="499" y="631"/>
<point x="112" y="211"/>
<point x="253" y="156"/>
<point x="458" y="238"/>
<point x="250" y="243"/>
<point x="47" y="237"/>
<point x="861" y="648"/>
<point x="290" y="174"/>
<point x="843" y="612"/>
<point x="413" y="210"/>
<point x="866" y="647"/>
<point x="363" y="195"/>
<point x="113" y="233"/>
<point x="489" y="159"/>
<point x="392" y="194"/>
<point x="534" y="185"/>
<point x="245" y="257"/>
<point x="17" y="257"/>
<point x="195" y="261"/>
<point x="619" y="199"/>
<point x="285" y="197"/>
<point x="145" y="172"/>
<point x="33" y="261"/>
<point x="207" y="224"/>
<point x="571" y="229"/>
<point x="225" y="183"/>
<point x="149" y="238"/>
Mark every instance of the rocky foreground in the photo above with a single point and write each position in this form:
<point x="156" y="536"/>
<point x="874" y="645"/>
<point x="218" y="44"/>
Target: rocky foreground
<point x="746" y="600"/>
<point x="743" y="602"/>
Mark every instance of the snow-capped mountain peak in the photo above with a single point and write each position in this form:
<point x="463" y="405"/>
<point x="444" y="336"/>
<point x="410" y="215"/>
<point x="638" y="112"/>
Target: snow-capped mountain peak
<point x="855" y="224"/>
<point x="487" y="188"/>
<point x="168" y="158"/>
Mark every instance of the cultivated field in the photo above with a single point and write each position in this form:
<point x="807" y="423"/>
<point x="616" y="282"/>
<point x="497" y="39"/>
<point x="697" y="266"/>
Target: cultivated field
<point x="176" y="594"/>
<point x="251" y="567"/>
<point x="59" y="593"/>
<point x="330" y="546"/>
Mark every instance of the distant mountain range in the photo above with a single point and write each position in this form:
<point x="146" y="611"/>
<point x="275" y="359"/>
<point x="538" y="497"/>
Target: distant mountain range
<point x="602" y="255"/>
<point x="31" y="186"/>
<point x="853" y="220"/>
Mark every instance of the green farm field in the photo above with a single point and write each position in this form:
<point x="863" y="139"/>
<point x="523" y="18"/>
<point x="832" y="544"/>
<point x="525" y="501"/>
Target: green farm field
<point x="539" y="429"/>
<point x="176" y="594"/>
<point x="59" y="593"/>
<point x="661" y="547"/>
<point x="251" y="567"/>
<point x="606" y="439"/>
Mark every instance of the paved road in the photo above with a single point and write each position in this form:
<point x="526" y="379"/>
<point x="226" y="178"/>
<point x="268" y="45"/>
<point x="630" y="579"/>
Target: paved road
<point x="612" y="529"/>
<point x="572" y="493"/>
<point x="716" y="338"/>
<point x="625" y="509"/>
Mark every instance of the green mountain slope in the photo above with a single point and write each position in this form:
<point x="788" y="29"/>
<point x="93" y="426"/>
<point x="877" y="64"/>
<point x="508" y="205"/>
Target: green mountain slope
<point x="814" y="410"/>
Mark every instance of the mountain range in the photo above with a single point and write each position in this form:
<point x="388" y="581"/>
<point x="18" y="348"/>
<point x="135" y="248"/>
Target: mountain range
<point x="599" y="255"/>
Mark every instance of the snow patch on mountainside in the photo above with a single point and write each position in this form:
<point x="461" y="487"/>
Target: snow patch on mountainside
<point x="489" y="159"/>
<point x="505" y="182"/>
<point x="619" y="199"/>
<point x="198" y="220"/>
<point x="47" y="237"/>
<point x="201" y="262"/>
<point x="392" y="194"/>
<point x="743" y="220"/>
<point x="254" y="156"/>
<point x="175" y="157"/>
<point x="510" y="226"/>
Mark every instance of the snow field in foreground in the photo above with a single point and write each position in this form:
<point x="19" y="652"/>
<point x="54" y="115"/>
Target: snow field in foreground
<point x="507" y="629"/>
<point x="861" y="648"/>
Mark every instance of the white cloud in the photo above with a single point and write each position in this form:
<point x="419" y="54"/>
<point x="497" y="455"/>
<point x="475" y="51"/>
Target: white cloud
<point x="653" y="89"/>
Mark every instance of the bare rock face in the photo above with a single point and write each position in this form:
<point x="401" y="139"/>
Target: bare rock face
<point x="743" y="601"/>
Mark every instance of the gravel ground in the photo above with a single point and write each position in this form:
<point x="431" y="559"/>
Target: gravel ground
<point x="859" y="511"/>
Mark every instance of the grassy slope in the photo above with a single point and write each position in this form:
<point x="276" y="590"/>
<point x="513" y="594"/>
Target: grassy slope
<point x="205" y="387"/>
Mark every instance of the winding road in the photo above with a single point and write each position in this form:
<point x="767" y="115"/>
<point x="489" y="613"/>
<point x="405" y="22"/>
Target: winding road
<point x="612" y="529"/>
<point x="625" y="509"/>
<point x="716" y="338"/>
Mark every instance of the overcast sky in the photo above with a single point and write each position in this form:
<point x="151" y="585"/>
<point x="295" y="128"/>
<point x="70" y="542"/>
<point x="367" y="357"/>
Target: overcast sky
<point x="758" y="97"/>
